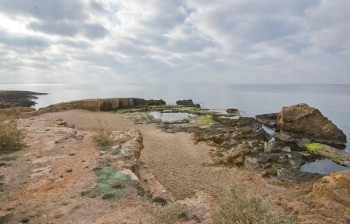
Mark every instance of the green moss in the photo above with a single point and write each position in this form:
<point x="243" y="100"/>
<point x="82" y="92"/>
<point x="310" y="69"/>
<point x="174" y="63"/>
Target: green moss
<point x="111" y="184"/>
<point x="190" y="109"/>
<point x="207" y="120"/>
<point x="320" y="149"/>
<point x="110" y="176"/>
<point x="158" y="107"/>
<point x="314" y="147"/>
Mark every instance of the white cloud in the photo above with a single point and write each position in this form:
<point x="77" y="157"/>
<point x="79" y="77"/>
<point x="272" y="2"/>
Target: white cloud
<point x="179" y="41"/>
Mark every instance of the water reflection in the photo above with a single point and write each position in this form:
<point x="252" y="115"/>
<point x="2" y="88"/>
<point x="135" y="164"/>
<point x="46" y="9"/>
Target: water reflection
<point x="322" y="166"/>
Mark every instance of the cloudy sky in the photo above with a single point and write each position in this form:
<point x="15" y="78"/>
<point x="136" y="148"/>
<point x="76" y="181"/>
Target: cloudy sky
<point x="226" y="41"/>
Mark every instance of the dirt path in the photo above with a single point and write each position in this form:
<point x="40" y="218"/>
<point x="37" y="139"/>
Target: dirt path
<point x="176" y="162"/>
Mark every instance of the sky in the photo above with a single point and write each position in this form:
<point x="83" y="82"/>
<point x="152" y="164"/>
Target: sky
<point x="158" y="41"/>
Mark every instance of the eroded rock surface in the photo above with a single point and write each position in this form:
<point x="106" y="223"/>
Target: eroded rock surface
<point x="328" y="202"/>
<point x="106" y="104"/>
<point x="304" y="121"/>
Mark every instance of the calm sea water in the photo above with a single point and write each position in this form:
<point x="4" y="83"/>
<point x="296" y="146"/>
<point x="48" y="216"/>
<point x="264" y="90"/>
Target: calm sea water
<point x="251" y="99"/>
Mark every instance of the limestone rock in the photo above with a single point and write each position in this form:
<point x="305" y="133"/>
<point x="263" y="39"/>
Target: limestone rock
<point x="304" y="121"/>
<point x="105" y="104"/>
<point x="199" y="207"/>
<point x="232" y="157"/>
<point x="328" y="202"/>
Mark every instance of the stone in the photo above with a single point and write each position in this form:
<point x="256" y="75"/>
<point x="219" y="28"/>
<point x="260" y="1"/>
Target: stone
<point x="187" y="103"/>
<point x="232" y="111"/>
<point x="295" y="174"/>
<point x="267" y="119"/>
<point x="199" y="207"/>
<point x="237" y="157"/>
<point x="271" y="146"/>
<point x="303" y="121"/>
<point x="258" y="161"/>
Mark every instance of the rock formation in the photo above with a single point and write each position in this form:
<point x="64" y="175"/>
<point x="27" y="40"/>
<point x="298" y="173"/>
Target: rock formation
<point x="187" y="103"/>
<point x="303" y="121"/>
<point x="106" y="104"/>
<point x="267" y="119"/>
<point x="17" y="98"/>
<point x="232" y="111"/>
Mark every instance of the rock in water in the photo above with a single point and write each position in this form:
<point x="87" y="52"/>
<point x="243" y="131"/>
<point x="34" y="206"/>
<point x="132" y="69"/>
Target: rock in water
<point x="187" y="103"/>
<point x="304" y="121"/>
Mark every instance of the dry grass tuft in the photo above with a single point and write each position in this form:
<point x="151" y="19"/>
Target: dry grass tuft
<point x="11" y="139"/>
<point x="170" y="213"/>
<point x="103" y="138"/>
<point x="243" y="209"/>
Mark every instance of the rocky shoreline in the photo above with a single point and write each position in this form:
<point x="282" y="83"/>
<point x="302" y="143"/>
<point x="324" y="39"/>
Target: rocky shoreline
<point x="10" y="99"/>
<point x="271" y="146"/>
<point x="297" y="134"/>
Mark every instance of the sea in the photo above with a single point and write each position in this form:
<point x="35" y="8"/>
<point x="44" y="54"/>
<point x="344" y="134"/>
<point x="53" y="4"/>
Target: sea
<point x="333" y="100"/>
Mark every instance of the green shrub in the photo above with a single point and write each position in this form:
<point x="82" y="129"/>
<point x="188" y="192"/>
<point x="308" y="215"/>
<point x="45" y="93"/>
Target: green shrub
<point x="11" y="139"/>
<point x="170" y="213"/>
<point x="242" y="209"/>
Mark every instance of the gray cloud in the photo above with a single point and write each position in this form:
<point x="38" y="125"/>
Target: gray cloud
<point x="210" y="41"/>
<point x="22" y="41"/>
<point x="69" y="29"/>
<point x="76" y="44"/>
<point x="44" y="10"/>
<point x="94" y="31"/>
<point x="59" y="28"/>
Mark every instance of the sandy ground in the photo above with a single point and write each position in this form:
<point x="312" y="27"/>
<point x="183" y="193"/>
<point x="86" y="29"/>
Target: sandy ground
<point x="177" y="163"/>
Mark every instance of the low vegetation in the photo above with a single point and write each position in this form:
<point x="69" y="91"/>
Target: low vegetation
<point x="243" y="209"/>
<point x="206" y="120"/>
<point x="170" y="213"/>
<point x="11" y="138"/>
<point x="314" y="147"/>
<point x="111" y="184"/>
<point x="321" y="150"/>
<point x="103" y="138"/>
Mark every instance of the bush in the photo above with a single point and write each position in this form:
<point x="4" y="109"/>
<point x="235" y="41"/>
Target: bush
<point x="103" y="138"/>
<point x="11" y="139"/>
<point x="241" y="209"/>
<point x="170" y="213"/>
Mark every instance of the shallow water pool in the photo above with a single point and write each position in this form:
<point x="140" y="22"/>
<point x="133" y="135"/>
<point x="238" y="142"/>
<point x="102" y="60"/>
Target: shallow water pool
<point x="171" y="116"/>
<point x="322" y="166"/>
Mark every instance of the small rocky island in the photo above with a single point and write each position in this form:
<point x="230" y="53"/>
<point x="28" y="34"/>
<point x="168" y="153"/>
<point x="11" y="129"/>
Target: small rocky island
<point x="153" y="156"/>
